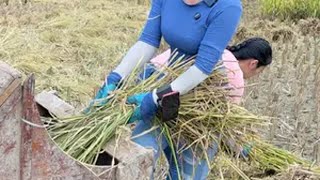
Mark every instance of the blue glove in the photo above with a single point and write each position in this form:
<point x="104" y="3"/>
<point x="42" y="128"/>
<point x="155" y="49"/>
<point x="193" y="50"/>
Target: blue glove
<point x="246" y="149"/>
<point x="100" y="99"/>
<point x="146" y="108"/>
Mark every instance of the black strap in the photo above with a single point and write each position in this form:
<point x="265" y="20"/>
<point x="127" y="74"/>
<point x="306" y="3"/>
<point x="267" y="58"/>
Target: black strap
<point x="210" y="3"/>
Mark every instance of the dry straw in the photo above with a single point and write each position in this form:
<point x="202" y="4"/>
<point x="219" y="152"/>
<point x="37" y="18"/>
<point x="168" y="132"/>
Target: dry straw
<point x="205" y="117"/>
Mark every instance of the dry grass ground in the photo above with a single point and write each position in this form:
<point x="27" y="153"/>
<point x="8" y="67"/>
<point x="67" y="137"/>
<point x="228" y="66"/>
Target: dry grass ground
<point x="69" y="45"/>
<point x="72" y="45"/>
<point x="289" y="89"/>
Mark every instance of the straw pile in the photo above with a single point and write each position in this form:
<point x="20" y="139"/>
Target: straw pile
<point x="205" y="117"/>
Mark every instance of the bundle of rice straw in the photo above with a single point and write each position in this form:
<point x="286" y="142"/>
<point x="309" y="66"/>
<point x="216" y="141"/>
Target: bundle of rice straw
<point x="205" y="116"/>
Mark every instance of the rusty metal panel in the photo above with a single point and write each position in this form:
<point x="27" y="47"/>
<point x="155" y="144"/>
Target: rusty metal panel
<point x="47" y="160"/>
<point x="26" y="151"/>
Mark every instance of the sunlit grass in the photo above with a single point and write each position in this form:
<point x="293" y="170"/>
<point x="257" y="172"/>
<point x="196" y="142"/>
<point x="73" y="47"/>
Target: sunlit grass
<point x="291" y="9"/>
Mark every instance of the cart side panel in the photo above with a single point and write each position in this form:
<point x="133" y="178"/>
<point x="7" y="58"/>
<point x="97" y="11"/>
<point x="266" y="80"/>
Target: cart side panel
<point x="10" y="115"/>
<point x="48" y="160"/>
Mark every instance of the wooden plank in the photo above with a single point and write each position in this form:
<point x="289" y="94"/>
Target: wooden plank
<point x="10" y="115"/>
<point x="136" y="162"/>
<point x="54" y="104"/>
<point x="9" y="90"/>
<point x="9" y="81"/>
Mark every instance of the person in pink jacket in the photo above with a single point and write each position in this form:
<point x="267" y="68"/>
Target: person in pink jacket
<point x="241" y="62"/>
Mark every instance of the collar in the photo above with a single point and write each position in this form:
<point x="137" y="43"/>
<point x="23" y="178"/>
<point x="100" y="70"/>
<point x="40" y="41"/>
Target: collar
<point x="210" y="3"/>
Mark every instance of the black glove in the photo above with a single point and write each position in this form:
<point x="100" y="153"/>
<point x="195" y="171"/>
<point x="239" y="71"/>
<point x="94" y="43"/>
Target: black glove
<point x="169" y="103"/>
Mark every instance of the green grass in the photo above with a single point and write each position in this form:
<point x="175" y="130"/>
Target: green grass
<point x="291" y="9"/>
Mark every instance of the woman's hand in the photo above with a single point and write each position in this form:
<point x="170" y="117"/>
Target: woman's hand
<point x="164" y="99"/>
<point x="146" y="107"/>
<point x="101" y="97"/>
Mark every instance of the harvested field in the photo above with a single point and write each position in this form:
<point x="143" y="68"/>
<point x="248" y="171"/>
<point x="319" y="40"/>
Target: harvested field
<point x="72" y="45"/>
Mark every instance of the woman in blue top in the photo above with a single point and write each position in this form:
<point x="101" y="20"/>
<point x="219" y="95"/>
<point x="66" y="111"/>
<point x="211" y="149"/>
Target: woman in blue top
<point x="192" y="27"/>
<point x="202" y="27"/>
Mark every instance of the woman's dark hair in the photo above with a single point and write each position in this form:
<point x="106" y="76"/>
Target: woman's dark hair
<point x="256" y="48"/>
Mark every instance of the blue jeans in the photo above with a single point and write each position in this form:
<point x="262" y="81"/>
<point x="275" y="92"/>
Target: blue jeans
<point x="189" y="165"/>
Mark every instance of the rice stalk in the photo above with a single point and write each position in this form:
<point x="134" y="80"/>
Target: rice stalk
<point x="205" y="119"/>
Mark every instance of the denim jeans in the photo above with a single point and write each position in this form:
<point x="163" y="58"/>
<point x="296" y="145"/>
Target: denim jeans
<point x="190" y="166"/>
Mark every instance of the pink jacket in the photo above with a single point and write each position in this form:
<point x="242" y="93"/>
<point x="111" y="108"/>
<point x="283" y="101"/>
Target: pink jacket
<point x="234" y="73"/>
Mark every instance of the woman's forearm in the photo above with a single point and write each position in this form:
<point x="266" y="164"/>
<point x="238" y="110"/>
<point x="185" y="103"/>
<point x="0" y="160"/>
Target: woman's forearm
<point x="188" y="80"/>
<point x="139" y="54"/>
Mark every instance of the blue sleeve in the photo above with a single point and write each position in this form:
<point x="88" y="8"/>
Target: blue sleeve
<point x="220" y="31"/>
<point x="151" y="33"/>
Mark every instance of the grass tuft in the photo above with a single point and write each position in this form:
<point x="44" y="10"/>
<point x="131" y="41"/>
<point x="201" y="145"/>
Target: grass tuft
<point x="291" y="9"/>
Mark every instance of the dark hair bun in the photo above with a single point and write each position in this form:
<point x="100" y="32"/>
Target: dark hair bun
<point x="256" y="48"/>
